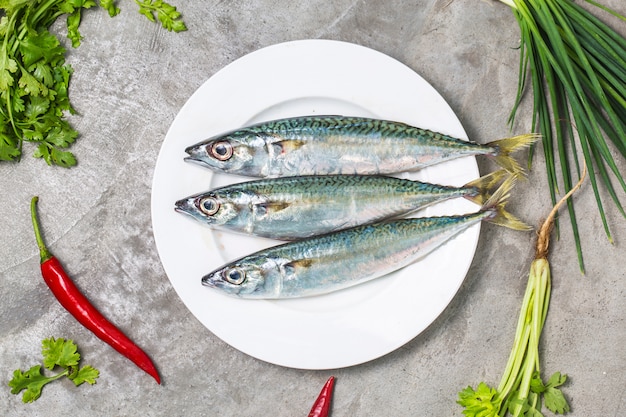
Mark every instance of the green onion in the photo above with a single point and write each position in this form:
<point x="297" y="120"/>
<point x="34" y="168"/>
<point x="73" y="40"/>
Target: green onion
<point x="576" y="67"/>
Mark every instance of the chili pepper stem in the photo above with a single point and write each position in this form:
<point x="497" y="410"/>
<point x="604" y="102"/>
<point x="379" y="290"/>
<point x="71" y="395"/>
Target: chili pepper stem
<point x="44" y="253"/>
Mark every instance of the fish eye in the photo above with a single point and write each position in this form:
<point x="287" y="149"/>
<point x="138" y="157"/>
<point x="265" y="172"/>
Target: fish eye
<point x="235" y="275"/>
<point x="209" y="206"/>
<point x="221" y="150"/>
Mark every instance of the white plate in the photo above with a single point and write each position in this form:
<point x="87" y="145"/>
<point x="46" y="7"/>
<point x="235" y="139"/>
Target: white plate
<point x="344" y="328"/>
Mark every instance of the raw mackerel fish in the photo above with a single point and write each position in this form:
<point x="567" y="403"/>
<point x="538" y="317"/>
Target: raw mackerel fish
<point x="324" y="145"/>
<point x="290" y="208"/>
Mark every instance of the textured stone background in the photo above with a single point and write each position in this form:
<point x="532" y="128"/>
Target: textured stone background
<point x="131" y="79"/>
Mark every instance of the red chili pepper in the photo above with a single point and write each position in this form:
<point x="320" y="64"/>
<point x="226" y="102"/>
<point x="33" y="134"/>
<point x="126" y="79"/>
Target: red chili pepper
<point x="79" y="306"/>
<point x="321" y="407"/>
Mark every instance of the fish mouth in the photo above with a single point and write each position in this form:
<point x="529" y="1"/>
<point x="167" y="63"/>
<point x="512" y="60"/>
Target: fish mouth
<point x="195" y="154"/>
<point x="190" y="150"/>
<point x="194" y="159"/>
<point x="199" y="160"/>
<point x="209" y="281"/>
<point x="182" y="206"/>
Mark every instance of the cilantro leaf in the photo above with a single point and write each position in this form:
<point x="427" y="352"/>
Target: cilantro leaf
<point x="61" y="86"/>
<point x="34" y="79"/>
<point x="536" y="384"/>
<point x="59" y="352"/>
<point x="8" y="66"/>
<point x="63" y="159"/>
<point x="167" y="14"/>
<point x="43" y="151"/>
<point x="32" y="85"/>
<point x="36" y="107"/>
<point x="555" y="401"/>
<point x="481" y="402"/>
<point x="9" y="147"/>
<point x="42" y="46"/>
<point x="61" y="136"/>
<point x="55" y="156"/>
<point x="73" y="21"/>
<point x="553" y="397"/>
<point x="43" y="73"/>
<point x="32" y="381"/>
<point x="109" y="6"/>
<point x="56" y="353"/>
<point x="17" y="102"/>
<point x="86" y="374"/>
<point x="85" y="4"/>
<point x="4" y="25"/>
<point x="557" y="380"/>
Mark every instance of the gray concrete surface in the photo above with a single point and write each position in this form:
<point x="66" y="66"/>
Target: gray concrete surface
<point x="131" y="79"/>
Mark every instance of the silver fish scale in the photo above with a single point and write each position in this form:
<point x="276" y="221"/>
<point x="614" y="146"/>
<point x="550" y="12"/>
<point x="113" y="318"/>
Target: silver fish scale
<point x="331" y="182"/>
<point x="358" y="255"/>
<point x="324" y="145"/>
<point x="296" y="207"/>
<point x="351" y="126"/>
<point x="343" y="259"/>
<point x="335" y="145"/>
<point x="366" y="237"/>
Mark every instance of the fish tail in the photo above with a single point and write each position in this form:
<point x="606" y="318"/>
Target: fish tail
<point x="505" y="147"/>
<point x="484" y="186"/>
<point x="496" y="206"/>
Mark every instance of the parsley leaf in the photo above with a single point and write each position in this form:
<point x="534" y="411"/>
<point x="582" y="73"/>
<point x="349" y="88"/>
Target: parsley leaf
<point x="56" y="353"/>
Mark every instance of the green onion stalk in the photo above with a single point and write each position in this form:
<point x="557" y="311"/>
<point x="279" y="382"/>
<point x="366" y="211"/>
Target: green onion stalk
<point x="575" y="65"/>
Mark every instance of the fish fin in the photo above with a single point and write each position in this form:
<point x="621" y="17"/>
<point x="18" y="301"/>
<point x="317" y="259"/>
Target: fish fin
<point x="270" y="207"/>
<point x="485" y="186"/>
<point x="496" y="205"/>
<point x="507" y="146"/>
<point x="282" y="147"/>
<point x="292" y="266"/>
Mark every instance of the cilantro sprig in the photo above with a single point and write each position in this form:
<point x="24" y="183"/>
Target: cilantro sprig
<point x="34" y="78"/>
<point x="167" y="14"/>
<point x="57" y="353"/>
<point x="485" y="401"/>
